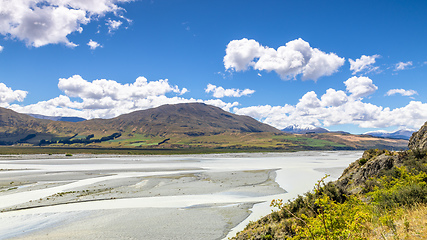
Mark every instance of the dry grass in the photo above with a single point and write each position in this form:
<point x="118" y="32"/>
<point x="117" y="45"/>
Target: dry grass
<point x="355" y="138"/>
<point x="410" y="224"/>
<point x="407" y="224"/>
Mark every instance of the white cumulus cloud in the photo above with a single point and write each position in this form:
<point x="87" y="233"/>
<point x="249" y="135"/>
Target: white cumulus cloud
<point x="333" y="98"/>
<point x="220" y="92"/>
<point x="42" y="22"/>
<point x="309" y="101"/>
<point x="113" y="25"/>
<point x="402" y="92"/>
<point x="363" y="63"/>
<point x="360" y="86"/>
<point x="402" y="65"/>
<point x="7" y="95"/>
<point x="1" y="48"/>
<point x="76" y="86"/>
<point x="334" y="108"/>
<point x="296" y="57"/>
<point x="93" y="45"/>
<point x="106" y="98"/>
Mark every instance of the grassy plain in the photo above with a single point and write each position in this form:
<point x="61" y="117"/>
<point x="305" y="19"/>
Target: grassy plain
<point x="213" y="143"/>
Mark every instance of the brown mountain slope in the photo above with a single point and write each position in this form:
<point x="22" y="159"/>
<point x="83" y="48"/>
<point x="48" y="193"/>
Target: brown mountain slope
<point x="192" y="119"/>
<point x="11" y="119"/>
<point x="16" y="126"/>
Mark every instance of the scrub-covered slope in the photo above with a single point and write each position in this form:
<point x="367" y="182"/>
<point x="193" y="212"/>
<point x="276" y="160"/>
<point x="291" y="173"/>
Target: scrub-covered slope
<point x="382" y="195"/>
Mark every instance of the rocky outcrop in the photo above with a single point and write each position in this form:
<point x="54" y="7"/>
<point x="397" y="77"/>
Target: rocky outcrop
<point x="418" y="140"/>
<point x="370" y="165"/>
<point x="374" y="161"/>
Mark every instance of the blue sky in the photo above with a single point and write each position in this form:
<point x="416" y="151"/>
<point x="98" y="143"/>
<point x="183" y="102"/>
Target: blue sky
<point x="345" y="65"/>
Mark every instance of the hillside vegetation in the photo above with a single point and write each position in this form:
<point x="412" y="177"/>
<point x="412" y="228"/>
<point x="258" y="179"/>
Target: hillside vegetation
<point x="383" y="195"/>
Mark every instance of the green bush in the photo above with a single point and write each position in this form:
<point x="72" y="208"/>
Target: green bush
<point x="418" y="153"/>
<point x="336" y="220"/>
<point x="371" y="153"/>
<point x="267" y="237"/>
<point x="362" y="161"/>
<point x="414" y="163"/>
<point x="406" y="189"/>
<point x="326" y="213"/>
<point x="306" y="204"/>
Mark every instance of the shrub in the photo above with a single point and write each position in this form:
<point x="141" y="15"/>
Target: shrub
<point x="326" y="213"/>
<point x="336" y="221"/>
<point x="371" y="153"/>
<point x="406" y="189"/>
<point x="362" y="161"/>
<point x="267" y="237"/>
<point x="418" y="153"/>
<point x="331" y="214"/>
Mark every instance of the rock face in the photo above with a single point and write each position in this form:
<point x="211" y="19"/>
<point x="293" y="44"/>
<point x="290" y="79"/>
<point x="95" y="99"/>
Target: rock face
<point x="418" y="139"/>
<point x="370" y="165"/>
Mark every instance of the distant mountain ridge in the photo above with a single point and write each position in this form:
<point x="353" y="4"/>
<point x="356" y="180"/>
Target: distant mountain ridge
<point x="299" y="129"/>
<point x="399" y="134"/>
<point x="58" y="118"/>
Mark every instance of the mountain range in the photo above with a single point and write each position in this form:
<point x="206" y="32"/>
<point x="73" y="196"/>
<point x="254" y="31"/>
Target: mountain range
<point x="399" y="134"/>
<point x="307" y="129"/>
<point x="186" y="125"/>
<point x="57" y="118"/>
<point x="298" y="129"/>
